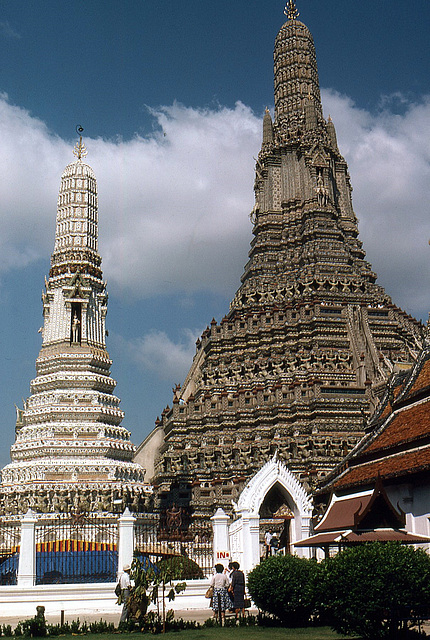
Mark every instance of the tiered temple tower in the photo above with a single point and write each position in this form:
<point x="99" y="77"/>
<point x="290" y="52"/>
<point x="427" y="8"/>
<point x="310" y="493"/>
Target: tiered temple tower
<point x="71" y="452"/>
<point x="310" y="338"/>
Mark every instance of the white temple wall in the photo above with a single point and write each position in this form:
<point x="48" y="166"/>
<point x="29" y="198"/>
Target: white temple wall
<point x="82" y="599"/>
<point x="414" y="500"/>
<point x="59" y="319"/>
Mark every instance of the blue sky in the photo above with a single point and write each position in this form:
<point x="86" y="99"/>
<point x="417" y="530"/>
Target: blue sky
<point x="171" y="96"/>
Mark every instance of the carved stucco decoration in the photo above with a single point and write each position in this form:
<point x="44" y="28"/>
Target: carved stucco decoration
<point x="272" y="473"/>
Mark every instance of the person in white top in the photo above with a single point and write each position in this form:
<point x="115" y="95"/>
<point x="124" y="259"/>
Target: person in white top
<point x="267" y="540"/>
<point x="125" y="584"/>
<point x="220" y="599"/>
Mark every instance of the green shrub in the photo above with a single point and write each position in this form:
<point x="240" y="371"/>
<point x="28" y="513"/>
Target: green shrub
<point x="281" y="586"/>
<point x="101" y="626"/>
<point x="75" y="626"/>
<point x="53" y="630"/>
<point x="32" y="628"/>
<point x="373" y="590"/>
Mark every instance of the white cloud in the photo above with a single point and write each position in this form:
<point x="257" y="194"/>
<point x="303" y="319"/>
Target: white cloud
<point x="174" y="205"/>
<point x="389" y="161"/>
<point x="178" y="201"/>
<point x="31" y="160"/>
<point x="156" y="352"/>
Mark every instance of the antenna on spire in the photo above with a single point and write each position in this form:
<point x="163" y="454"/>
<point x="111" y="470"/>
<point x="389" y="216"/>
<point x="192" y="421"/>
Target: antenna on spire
<point x="79" y="150"/>
<point x="291" y="10"/>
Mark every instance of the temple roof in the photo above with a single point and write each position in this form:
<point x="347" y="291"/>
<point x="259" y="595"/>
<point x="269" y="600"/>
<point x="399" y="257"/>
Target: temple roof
<point x="363" y="517"/>
<point x="398" y="443"/>
<point x="341" y="512"/>
<point x="348" y="538"/>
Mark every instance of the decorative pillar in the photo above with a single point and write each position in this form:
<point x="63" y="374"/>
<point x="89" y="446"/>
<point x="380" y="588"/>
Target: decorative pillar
<point x="221" y="544"/>
<point x="305" y="532"/>
<point x="27" y="551"/>
<point x="251" y="539"/>
<point x="125" y="539"/>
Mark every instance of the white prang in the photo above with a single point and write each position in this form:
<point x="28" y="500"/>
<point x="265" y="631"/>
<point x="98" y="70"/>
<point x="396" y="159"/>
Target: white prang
<point x="69" y="432"/>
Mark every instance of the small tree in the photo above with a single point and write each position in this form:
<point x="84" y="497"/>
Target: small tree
<point x="148" y="581"/>
<point x="281" y="586"/>
<point x="374" y="589"/>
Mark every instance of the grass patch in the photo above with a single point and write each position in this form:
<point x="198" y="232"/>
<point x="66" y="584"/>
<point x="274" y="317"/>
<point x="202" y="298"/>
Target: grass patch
<point x="231" y="633"/>
<point x="260" y="633"/>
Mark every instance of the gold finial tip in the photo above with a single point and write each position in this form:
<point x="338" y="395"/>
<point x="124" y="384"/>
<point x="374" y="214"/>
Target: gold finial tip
<point x="291" y="10"/>
<point x="80" y="150"/>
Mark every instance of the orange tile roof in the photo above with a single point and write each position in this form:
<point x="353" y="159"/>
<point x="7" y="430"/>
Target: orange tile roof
<point x="409" y="462"/>
<point x="400" y="442"/>
<point x="386" y="412"/>
<point x="410" y="424"/>
<point x="386" y="407"/>
<point x="347" y="538"/>
<point x="423" y="379"/>
<point x="341" y="513"/>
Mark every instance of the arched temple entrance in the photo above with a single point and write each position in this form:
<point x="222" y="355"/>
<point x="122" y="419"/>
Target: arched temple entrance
<point x="274" y="496"/>
<point x="276" y="513"/>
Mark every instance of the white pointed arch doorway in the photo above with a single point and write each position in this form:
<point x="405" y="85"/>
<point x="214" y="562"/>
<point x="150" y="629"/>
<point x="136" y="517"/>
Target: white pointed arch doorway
<point x="275" y="484"/>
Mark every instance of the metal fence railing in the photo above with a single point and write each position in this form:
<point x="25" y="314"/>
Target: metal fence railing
<point x="10" y="534"/>
<point x="77" y="548"/>
<point x="165" y="540"/>
<point x="83" y="548"/>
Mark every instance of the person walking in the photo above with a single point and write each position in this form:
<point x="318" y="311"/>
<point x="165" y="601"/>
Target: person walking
<point x="220" y="599"/>
<point x="238" y="588"/>
<point x="125" y="584"/>
<point x="274" y="545"/>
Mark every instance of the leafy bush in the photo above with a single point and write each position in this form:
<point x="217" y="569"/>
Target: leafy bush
<point x="373" y="590"/>
<point x="36" y="628"/>
<point x="101" y="626"/>
<point x="180" y="568"/>
<point x="32" y="628"/>
<point x="281" y="586"/>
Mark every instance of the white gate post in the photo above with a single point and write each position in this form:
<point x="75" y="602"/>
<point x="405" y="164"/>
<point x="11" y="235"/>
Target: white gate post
<point x="251" y="539"/>
<point x="27" y="551"/>
<point x="125" y="539"/>
<point x="221" y="544"/>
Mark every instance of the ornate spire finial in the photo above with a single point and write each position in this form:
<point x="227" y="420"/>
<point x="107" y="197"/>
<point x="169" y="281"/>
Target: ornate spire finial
<point x="79" y="150"/>
<point x="291" y="10"/>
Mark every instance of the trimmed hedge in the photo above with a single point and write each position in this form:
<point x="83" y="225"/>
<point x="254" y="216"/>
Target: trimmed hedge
<point x="375" y="589"/>
<point x="282" y="586"/>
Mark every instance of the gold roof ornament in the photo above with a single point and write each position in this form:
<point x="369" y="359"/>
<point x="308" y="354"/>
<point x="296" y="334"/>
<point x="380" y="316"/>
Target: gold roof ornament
<point x="80" y="150"/>
<point x="291" y="10"/>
